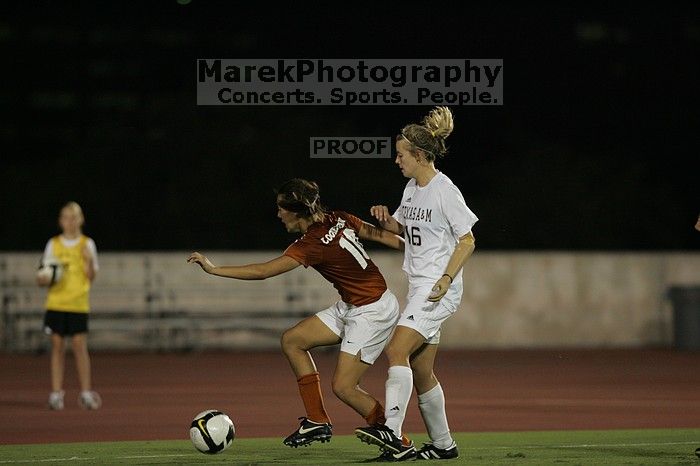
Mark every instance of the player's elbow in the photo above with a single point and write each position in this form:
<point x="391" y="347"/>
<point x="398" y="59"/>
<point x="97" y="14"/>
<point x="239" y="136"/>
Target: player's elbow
<point x="468" y="239"/>
<point x="468" y="248"/>
<point x="397" y="242"/>
<point x="264" y="271"/>
<point x="259" y="273"/>
<point x="465" y="245"/>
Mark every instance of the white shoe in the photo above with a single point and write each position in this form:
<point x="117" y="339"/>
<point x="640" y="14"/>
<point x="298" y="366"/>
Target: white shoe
<point x="56" y="400"/>
<point x="89" y="399"/>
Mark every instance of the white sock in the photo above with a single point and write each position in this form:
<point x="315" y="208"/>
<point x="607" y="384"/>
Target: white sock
<point x="432" y="408"/>
<point x="399" y="386"/>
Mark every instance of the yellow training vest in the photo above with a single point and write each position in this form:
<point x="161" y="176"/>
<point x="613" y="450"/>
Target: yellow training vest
<point x="72" y="292"/>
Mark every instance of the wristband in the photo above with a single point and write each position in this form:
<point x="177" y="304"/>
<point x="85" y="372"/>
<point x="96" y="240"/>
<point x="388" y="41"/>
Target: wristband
<point x="448" y="275"/>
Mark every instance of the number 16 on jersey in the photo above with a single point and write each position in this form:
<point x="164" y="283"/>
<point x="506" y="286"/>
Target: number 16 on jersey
<point x="414" y="236"/>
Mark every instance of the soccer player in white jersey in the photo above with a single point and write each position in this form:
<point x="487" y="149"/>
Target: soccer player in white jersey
<point x="437" y="225"/>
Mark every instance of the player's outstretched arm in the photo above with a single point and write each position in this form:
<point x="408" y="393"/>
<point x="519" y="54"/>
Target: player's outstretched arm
<point x="261" y="271"/>
<point x="462" y="252"/>
<point x="386" y="221"/>
<point x="380" y="235"/>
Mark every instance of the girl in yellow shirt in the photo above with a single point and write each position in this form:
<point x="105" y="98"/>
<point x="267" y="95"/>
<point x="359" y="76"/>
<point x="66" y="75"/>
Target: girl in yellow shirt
<point x="68" y="304"/>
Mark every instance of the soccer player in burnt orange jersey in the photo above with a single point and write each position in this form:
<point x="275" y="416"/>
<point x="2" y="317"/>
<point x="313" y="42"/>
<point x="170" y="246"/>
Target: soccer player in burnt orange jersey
<point x="361" y="321"/>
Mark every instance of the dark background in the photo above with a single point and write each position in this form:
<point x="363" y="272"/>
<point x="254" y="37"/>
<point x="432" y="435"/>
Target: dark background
<point x="595" y="147"/>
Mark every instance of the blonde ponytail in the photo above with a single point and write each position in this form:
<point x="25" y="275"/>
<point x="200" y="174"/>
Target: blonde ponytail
<point x="430" y="136"/>
<point x="439" y="122"/>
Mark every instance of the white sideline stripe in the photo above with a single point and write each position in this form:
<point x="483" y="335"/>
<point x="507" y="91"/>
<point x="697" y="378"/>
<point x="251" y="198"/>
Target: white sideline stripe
<point x="81" y="458"/>
<point x="576" y="402"/>
<point x="512" y="447"/>
<point x="49" y="460"/>
<point x="585" y="445"/>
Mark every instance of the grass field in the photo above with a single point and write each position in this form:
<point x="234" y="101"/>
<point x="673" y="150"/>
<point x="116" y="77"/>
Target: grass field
<point x="610" y="447"/>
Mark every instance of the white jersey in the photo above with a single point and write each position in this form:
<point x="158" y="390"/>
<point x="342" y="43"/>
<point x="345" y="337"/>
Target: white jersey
<point x="434" y="217"/>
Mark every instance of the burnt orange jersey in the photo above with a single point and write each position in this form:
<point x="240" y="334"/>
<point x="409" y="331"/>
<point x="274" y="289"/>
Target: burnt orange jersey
<point x="333" y="248"/>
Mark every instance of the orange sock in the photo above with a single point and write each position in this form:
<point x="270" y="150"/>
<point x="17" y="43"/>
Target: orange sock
<point x="376" y="416"/>
<point x="310" y="391"/>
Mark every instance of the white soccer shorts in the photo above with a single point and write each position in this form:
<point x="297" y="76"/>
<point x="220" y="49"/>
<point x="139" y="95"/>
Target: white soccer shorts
<point x="363" y="329"/>
<point x="426" y="317"/>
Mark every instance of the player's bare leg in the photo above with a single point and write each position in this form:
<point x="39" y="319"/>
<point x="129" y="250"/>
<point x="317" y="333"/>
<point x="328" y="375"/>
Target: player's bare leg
<point x="346" y="386"/>
<point x="88" y="399"/>
<point x="296" y="343"/>
<point x="58" y="359"/>
<point x="399" y="386"/>
<point x="82" y="360"/>
<point x="422" y="362"/>
<point x="298" y="340"/>
<point x="431" y="402"/>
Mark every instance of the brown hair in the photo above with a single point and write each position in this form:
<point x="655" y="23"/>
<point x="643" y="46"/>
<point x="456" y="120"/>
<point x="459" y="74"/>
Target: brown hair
<point x="430" y="136"/>
<point x="301" y="197"/>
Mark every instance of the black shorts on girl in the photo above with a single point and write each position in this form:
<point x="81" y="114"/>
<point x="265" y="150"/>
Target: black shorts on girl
<point x="65" y="323"/>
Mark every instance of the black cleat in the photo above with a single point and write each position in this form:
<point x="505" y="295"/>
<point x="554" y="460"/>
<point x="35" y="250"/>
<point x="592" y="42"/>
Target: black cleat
<point x="431" y="452"/>
<point x="309" y="431"/>
<point x="389" y="457"/>
<point x="395" y="449"/>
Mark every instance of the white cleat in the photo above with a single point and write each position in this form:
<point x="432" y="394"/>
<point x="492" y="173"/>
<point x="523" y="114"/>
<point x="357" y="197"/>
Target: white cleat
<point x="56" y="400"/>
<point x="89" y="399"/>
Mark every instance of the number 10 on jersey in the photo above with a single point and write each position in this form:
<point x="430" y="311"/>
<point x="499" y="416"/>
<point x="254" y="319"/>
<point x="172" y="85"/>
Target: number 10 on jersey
<point x="350" y="243"/>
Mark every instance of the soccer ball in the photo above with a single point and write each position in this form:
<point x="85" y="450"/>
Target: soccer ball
<point x="51" y="270"/>
<point x="212" y="431"/>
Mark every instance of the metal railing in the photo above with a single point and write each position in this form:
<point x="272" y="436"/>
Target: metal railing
<point x="139" y="302"/>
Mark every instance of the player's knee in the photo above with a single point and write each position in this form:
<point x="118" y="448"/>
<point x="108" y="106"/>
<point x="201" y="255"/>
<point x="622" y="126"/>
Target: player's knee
<point x="79" y="342"/>
<point x="396" y="355"/>
<point x="343" y="389"/>
<point x="284" y="340"/>
<point x="423" y="380"/>
<point x="57" y="343"/>
<point x="291" y="340"/>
